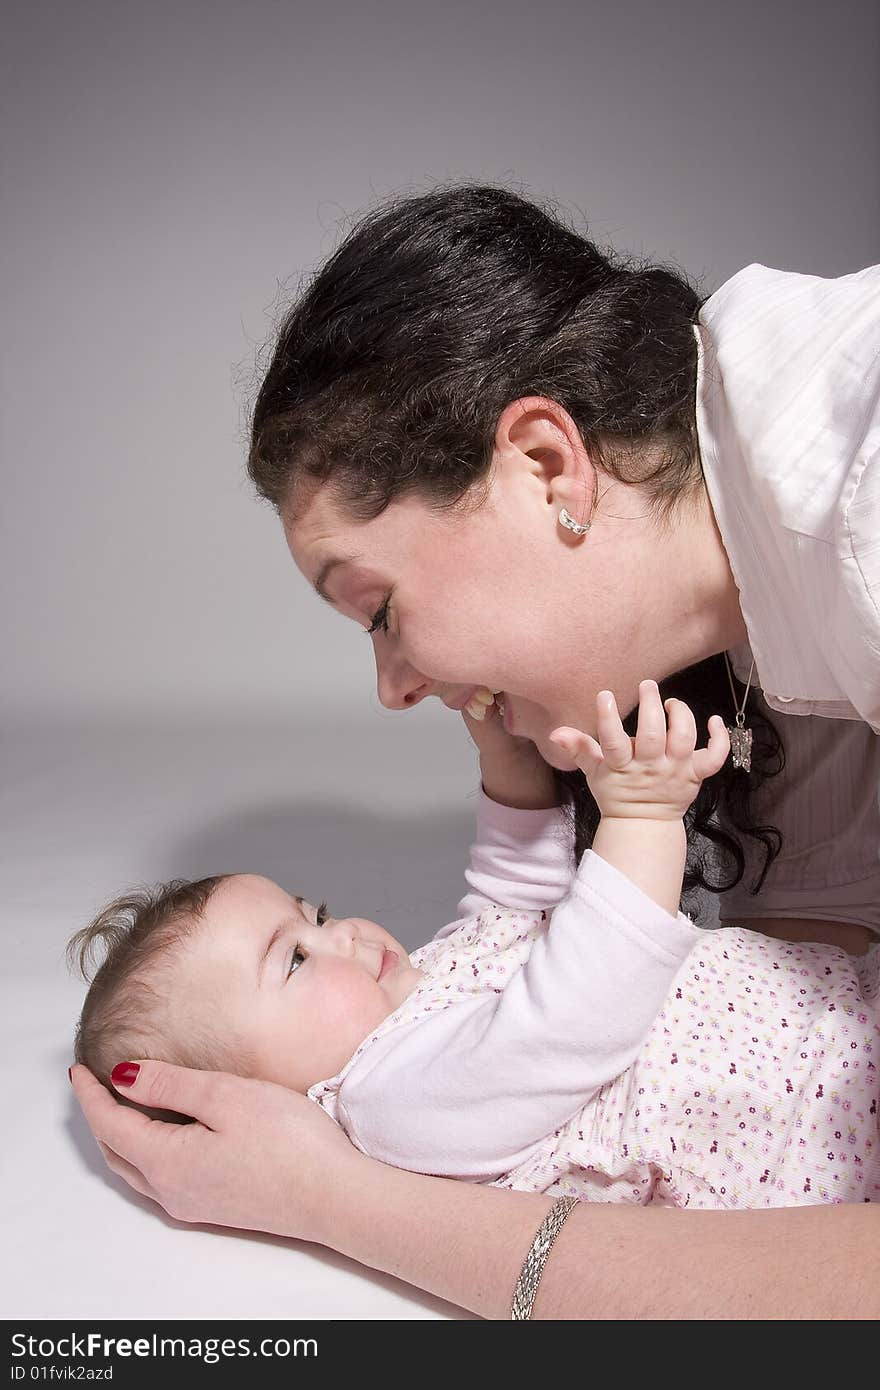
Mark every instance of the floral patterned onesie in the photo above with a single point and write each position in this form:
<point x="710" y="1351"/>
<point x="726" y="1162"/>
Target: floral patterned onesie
<point x="756" y="1087"/>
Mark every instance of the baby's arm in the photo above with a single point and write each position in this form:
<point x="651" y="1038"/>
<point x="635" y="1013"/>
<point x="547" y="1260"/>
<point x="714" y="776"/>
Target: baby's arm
<point x="522" y="856"/>
<point x="470" y="1089"/>
<point x="519" y="859"/>
<point x="512" y="771"/>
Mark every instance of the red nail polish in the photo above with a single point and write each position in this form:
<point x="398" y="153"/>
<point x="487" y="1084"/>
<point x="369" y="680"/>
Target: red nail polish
<point x="124" y="1074"/>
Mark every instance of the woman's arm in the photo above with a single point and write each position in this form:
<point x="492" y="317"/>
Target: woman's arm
<point x="467" y="1244"/>
<point x="850" y="937"/>
<point x="263" y="1158"/>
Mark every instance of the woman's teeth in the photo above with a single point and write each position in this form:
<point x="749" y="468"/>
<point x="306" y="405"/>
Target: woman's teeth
<point x="481" y="701"/>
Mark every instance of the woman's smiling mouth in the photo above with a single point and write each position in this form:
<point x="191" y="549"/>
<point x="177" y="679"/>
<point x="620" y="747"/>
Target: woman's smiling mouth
<point x="461" y="700"/>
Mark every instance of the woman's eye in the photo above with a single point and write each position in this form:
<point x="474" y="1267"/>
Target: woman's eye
<point x="379" y="620"/>
<point x="297" y="959"/>
<point x="321" y="914"/>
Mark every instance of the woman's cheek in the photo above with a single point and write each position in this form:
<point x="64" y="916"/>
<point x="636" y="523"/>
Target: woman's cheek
<point x="431" y="655"/>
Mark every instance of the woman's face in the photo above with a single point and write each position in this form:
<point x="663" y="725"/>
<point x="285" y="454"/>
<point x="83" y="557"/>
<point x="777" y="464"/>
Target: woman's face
<point x="496" y="596"/>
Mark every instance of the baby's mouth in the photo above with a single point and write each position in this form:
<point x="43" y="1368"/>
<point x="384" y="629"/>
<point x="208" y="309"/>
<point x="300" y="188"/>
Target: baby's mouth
<point x="388" y="962"/>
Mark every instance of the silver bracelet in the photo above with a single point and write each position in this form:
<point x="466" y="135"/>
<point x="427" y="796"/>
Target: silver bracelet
<point x="535" y="1260"/>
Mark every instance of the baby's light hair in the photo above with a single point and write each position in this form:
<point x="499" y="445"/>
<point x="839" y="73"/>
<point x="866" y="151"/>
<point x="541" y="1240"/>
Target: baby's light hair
<point x="129" y="1011"/>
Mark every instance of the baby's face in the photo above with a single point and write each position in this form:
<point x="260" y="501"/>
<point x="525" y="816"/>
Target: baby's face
<point x="300" y="996"/>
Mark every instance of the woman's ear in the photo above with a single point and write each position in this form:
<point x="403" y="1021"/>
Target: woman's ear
<point x="540" y="432"/>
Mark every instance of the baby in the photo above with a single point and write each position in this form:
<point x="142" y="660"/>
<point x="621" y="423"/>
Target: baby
<point x="572" y="1032"/>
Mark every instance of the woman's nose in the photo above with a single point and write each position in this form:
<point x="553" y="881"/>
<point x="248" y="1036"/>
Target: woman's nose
<point x="398" y="685"/>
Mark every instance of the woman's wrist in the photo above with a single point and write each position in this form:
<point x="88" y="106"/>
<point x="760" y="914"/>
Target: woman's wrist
<point x="336" y="1199"/>
<point x="463" y="1242"/>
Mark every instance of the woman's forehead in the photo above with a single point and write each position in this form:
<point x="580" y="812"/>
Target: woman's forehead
<point x="323" y="534"/>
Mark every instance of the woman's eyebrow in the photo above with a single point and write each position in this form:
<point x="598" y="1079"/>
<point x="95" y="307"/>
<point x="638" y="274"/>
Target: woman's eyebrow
<point x="273" y="941"/>
<point x="320" y="584"/>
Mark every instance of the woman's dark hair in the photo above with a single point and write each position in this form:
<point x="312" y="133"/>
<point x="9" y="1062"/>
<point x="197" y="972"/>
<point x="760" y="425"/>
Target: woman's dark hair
<point x="391" y="370"/>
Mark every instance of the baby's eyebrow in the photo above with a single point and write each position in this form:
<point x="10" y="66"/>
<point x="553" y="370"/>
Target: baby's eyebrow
<point x="273" y="941"/>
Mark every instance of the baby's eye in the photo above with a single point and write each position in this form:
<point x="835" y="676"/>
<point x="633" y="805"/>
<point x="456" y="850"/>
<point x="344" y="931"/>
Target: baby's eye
<point x="297" y="958"/>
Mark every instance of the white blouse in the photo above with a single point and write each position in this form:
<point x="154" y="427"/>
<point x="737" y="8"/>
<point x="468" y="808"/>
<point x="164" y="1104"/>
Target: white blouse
<point x="788" y="420"/>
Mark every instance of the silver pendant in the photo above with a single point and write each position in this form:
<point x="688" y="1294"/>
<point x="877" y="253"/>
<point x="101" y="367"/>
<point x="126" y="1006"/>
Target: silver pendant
<point x="741" y="746"/>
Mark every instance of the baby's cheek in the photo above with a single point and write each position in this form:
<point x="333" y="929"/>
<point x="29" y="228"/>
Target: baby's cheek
<point x="351" y="1003"/>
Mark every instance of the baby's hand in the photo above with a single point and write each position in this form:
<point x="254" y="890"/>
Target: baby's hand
<point x="657" y="774"/>
<point x="512" y="770"/>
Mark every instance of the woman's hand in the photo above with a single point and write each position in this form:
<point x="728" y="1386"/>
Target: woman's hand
<point x="258" y="1158"/>
<point x="657" y="774"/>
<point x="512" y="770"/>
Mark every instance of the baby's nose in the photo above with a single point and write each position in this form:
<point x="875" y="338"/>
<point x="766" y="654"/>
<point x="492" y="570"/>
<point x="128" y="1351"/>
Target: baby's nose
<point x="339" y="936"/>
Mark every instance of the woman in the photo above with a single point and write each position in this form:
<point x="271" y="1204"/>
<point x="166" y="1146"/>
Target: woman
<point x="519" y="464"/>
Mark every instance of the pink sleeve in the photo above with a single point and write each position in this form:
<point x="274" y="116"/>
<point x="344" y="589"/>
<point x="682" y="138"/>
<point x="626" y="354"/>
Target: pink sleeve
<point x="520" y="859"/>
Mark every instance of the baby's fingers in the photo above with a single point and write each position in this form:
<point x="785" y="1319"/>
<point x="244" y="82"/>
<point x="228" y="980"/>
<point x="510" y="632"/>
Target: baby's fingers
<point x="651" y="728"/>
<point x="580" y="747"/>
<point x="615" y="743"/>
<point x="712" y="758"/>
<point x="681" y="737"/>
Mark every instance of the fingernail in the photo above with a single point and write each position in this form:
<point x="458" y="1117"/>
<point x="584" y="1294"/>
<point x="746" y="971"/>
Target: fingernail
<point x="125" y="1074"/>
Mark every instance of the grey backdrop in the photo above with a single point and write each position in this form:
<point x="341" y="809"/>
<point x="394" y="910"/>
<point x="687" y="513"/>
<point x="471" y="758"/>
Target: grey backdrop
<point x="167" y="165"/>
<point x="174" y="699"/>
